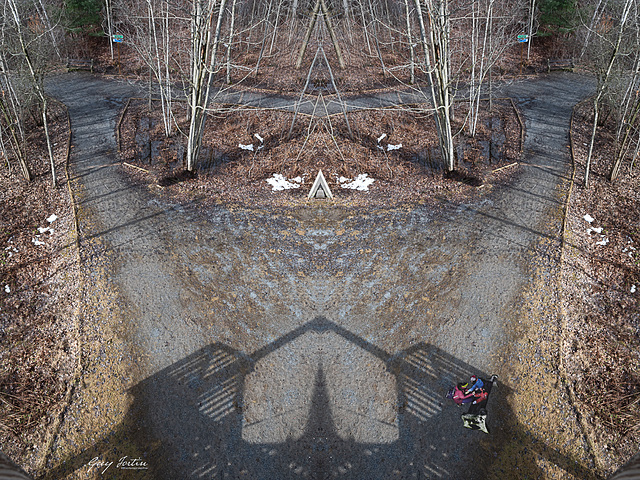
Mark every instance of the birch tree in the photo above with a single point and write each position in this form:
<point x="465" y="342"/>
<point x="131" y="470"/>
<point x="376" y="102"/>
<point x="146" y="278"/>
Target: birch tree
<point x="205" y="38"/>
<point x="435" y="44"/>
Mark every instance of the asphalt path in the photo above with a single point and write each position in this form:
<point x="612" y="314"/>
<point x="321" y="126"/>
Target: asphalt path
<point x="322" y="106"/>
<point x="308" y="343"/>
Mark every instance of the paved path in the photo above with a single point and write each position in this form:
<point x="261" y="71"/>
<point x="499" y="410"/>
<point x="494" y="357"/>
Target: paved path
<point x="324" y="106"/>
<point x="306" y="344"/>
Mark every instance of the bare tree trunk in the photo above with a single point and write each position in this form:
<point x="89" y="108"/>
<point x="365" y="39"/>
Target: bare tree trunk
<point x="332" y="33"/>
<point x="603" y="84"/>
<point x="151" y="27"/>
<point x="264" y="39"/>
<point x="233" y="18"/>
<point x="531" y="18"/>
<point x="348" y="20"/>
<point x="627" y="100"/>
<point x="473" y="94"/>
<point x="364" y="25"/>
<point x="374" y="21"/>
<point x="293" y="20"/>
<point x="304" y="89"/>
<point x="275" y="27"/>
<point x="597" y="13"/>
<point x="109" y="26"/>
<point x="26" y="173"/>
<point x="625" y="144"/>
<point x="482" y="71"/>
<point x="5" y="153"/>
<point x="307" y="35"/>
<point x="205" y="49"/>
<point x="335" y="87"/>
<point x="410" y="40"/>
<point x="45" y="16"/>
<point x="635" y="154"/>
<point x="54" y="178"/>
<point x="593" y="137"/>
<point x="167" y="75"/>
<point x="36" y="81"/>
<point x="436" y="46"/>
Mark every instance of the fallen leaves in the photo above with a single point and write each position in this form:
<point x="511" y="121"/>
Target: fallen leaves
<point x="603" y="319"/>
<point x="404" y="168"/>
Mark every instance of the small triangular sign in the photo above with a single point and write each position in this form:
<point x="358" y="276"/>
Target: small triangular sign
<point x="320" y="189"/>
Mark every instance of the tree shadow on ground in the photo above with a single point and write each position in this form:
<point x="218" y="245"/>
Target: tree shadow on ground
<point x="190" y="420"/>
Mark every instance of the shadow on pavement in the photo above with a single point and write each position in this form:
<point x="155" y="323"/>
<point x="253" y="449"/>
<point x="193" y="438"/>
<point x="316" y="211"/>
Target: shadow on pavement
<point x="190" y="421"/>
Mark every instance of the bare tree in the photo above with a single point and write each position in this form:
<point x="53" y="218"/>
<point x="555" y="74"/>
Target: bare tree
<point x="491" y="35"/>
<point x="435" y="43"/>
<point x="205" y="40"/>
<point x="320" y="5"/>
<point x="626" y="97"/>
<point x="604" y="76"/>
<point x="28" y="49"/>
<point x="149" y="31"/>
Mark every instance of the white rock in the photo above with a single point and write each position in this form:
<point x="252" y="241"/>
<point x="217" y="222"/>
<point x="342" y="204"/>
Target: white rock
<point x="633" y="288"/>
<point x="52" y="218"/>
<point x="588" y="218"/>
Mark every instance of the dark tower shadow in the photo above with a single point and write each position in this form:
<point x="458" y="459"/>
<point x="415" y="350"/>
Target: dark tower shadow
<point x="188" y="419"/>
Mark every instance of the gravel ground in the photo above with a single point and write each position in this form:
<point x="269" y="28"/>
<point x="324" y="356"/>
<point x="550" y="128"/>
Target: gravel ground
<point x="318" y="342"/>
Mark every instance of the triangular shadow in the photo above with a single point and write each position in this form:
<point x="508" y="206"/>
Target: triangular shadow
<point x="188" y="419"/>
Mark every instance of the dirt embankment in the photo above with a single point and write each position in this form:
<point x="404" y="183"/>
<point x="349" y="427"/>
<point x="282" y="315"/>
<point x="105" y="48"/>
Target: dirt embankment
<point x="39" y="272"/>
